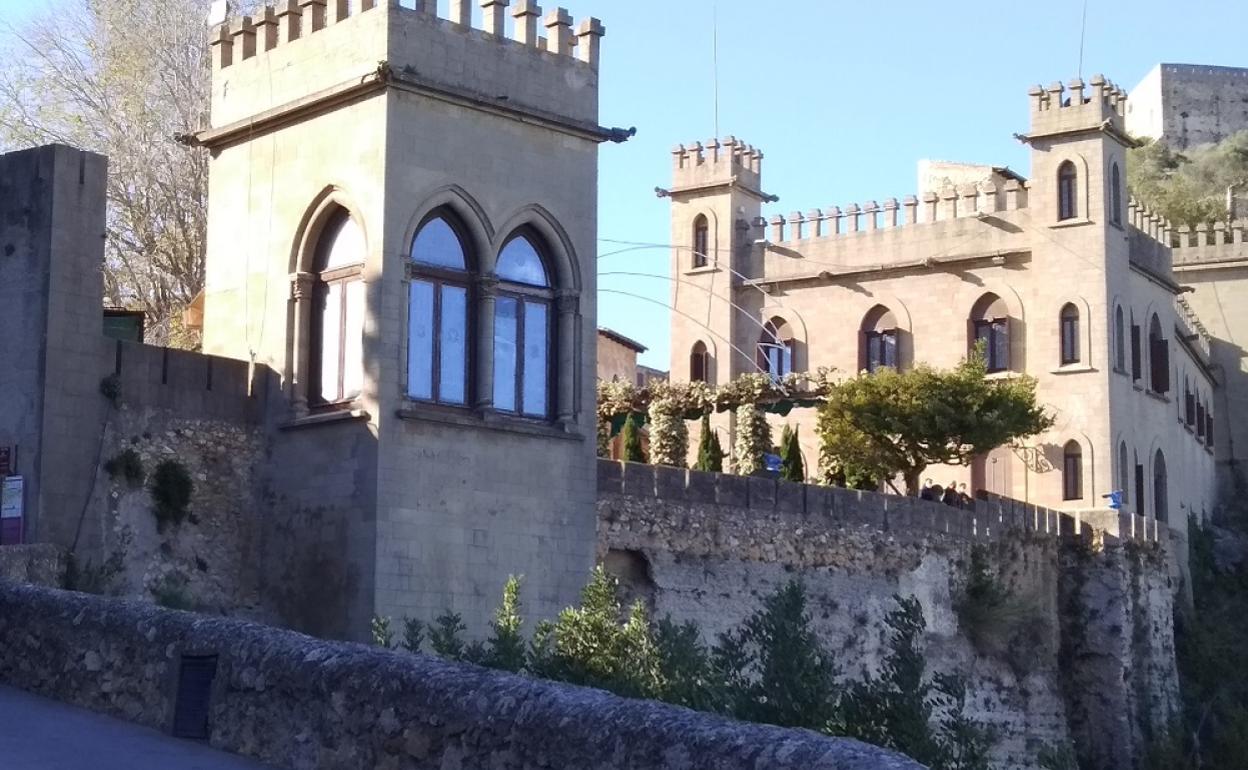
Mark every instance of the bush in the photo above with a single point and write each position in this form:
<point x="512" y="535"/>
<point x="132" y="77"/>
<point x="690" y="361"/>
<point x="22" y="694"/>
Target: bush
<point x="630" y="437"/>
<point x="753" y="440"/>
<point x="382" y="634"/>
<point x="710" y="453"/>
<point x="999" y="623"/>
<point x="127" y="465"/>
<point x="173" y="592"/>
<point x="171" y="490"/>
<point x="110" y="388"/>
<point x="90" y="579"/>
<point x="669" y="435"/>
<point x="792" y="467"/>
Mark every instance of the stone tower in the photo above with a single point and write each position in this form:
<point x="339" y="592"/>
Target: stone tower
<point x="437" y="399"/>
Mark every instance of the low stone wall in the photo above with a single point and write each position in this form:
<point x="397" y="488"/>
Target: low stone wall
<point x="300" y="703"/>
<point x="42" y="564"/>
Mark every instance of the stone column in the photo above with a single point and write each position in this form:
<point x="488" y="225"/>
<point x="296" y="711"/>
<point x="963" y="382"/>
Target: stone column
<point x="559" y="31"/>
<point x="244" y="32"/>
<point x="222" y="47"/>
<point x="526" y="14"/>
<point x="567" y="304"/>
<point x="301" y="295"/>
<point x="589" y="41"/>
<point x="266" y="29"/>
<point x="289" y="15"/>
<point x="487" y="292"/>
<point x="313" y="16"/>
<point x="493" y="12"/>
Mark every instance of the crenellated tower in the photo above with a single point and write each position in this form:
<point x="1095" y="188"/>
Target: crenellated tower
<point x="437" y="406"/>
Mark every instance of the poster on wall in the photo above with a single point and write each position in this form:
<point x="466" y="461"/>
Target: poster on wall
<point x="12" y="509"/>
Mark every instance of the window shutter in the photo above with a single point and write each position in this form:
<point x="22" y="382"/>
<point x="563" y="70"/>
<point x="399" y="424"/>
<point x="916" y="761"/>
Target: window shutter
<point x="1136" y="371"/>
<point x="1159" y="358"/>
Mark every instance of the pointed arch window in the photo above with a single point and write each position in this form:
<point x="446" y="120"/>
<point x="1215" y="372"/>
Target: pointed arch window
<point x="1115" y="195"/>
<point x="879" y="340"/>
<point x="701" y="241"/>
<point x="776" y="348"/>
<point x="523" y="329"/>
<point x="1069" y="325"/>
<point x="1120" y="341"/>
<point x="337" y="328"/>
<point x="1189" y="403"/>
<point x="1072" y="471"/>
<point x="1124" y="471"/>
<point x="699" y="363"/>
<point x="1161" y="492"/>
<point x="1067" y="191"/>
<point x="439" y="320"/>
<point x="1158" y="357"/>
<point x="990" y="327"/>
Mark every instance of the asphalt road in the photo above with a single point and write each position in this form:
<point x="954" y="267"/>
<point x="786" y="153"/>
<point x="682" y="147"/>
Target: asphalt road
<point x="41" y="734"/>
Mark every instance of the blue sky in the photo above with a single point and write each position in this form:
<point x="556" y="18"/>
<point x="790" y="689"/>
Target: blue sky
<point x="843" y="97"/>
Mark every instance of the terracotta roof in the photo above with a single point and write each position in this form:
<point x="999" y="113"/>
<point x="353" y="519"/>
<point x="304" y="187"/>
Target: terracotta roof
<point x="620" y="338"/>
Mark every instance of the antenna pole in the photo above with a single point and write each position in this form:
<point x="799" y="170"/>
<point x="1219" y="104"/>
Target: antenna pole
<point x="1083" y="31"/>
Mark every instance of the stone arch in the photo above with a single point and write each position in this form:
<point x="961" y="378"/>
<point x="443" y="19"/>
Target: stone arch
<point x="685" y="257"/>
<point x="1082" y="186"/>
<point x="470" y="215"/>
<point x="783" y="316"/>
<point x="565" y="265"/>
<point x="1084" y="309"/>
<point x="315" y="217"/>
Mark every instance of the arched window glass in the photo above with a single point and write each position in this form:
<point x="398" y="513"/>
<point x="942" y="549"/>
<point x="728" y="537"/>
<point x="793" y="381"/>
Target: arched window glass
<point x="990" y="326"/>
<point x="519" y="262"/>
<point x="1072" y="471"/>
<point x="523" y="331"/>
<point x="775" y="348"/>
<point x="1158" y="357"/>
<point x="1067" y="191"/>
<point x="1115" y="195"/>
<point x="699" y="363"/>
<point x="1069" y="323"/>
<point x="1137" y="367"/>
<point x="438" y="321"/>
<point x="1189" y="403"/>
<point x="1200" y="418"/>
<point x="1161" y="493"/>
<point x="701" y="241"/>
<point x="1120" y="341"/>
<point x="338" y="313"/>
<point x="879" y="339"/>
<point x="1124" y="471"/>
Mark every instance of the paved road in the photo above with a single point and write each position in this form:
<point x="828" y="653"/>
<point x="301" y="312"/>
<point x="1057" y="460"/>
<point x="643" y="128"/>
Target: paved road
<point x="41" y="734"/>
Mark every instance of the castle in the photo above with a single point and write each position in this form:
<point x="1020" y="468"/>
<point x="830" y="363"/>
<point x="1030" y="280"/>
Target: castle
<point x="1122" y="319"/>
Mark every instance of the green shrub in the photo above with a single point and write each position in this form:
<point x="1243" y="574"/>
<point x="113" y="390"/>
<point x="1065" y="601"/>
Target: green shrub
<point x="90" y="579"/>
<point x="382" y="634"/>
<point x="710" y="452"/>
<point x="127" y="465"/>
<point x="631" y="439"/>
<point x="413" y="634"/>
<point x="110" y="388"/>
<point x="173" y="592"/>
<point x="171" y="490"/>
<point x="792" y="467"/>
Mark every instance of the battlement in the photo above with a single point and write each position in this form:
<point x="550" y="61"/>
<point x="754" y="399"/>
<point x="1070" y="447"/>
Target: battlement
<point x="716" y="162"/>
<point x="294" y="50"/>
<point x="1207" y="244"/>
<point x="1148" y="235"/>
<point x="1077" y="106"/>
<point x="953" y="202"/>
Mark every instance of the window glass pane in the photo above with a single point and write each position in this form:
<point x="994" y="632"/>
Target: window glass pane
<point x="420" y="340"/>
<point x="437" y="244"/>
<point x="890" y="349"/>
<point x="331" y="337"/>
<point x="453" y="352"/>
<point x="1000" y="346"/>
<point x="353" y="340"/>
<point x="535" y="360"/>
<point x="347" y="247"/>
<point x="505" y="316"/>
<point x="786" y="359"/>
<point x="520" y="263"/>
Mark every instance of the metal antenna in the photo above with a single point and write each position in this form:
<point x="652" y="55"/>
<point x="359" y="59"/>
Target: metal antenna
<point x="715" y="59"/>
<point x="1083" y="31"/>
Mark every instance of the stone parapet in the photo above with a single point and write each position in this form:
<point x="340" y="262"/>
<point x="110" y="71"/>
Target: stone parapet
<point x="333" y="705"/>
<point x="39" y="563"/>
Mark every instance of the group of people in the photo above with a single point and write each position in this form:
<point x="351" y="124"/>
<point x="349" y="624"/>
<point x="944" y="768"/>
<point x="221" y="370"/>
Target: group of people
<point x="954" y="494"/>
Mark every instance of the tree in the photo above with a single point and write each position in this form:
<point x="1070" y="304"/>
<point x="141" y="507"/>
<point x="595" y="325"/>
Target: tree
<point x="506" y="648"/>
<point x="791" y="466"/>
<point x="630" y="437"/>
<point x="710" y="453"/>
<point x="889" y="422"/>
<point x="1189" y="188"/>
<point x="123" y="78"/>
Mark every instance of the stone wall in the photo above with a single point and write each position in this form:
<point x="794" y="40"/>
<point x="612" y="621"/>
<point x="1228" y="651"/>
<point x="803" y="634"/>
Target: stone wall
<point x="708" y="547"/>
<point x="300" y="703"/>
<point x="41" y="564"/>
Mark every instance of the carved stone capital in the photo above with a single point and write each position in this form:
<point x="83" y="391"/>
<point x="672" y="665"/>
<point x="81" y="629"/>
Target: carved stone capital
<point x="487" y="285"/>
<point x="567" y="301"/>
<point x="301" y="285"/>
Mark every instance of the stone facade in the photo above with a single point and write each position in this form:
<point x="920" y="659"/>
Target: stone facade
<point x="617" y="357"/>
<point x="1003" y="257"/>
<point x="299" y="703"/>
<point x="1096" y="670"/>
<point x="1185" y="105"/>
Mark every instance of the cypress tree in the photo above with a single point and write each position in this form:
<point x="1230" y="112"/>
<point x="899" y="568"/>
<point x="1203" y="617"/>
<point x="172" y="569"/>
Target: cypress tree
<point x="791" y="466"/>
<point x="631" y="438"/>
<point x="710" y="453"/>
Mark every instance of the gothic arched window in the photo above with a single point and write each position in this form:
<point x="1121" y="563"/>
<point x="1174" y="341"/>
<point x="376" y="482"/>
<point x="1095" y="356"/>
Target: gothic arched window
<point x="1158" y="357"/>
<point x="439" y="315"/>
<point x="337" y="330"/>
<point x="523" y="330"/>
<point x="1124" y="471"/>
<point x="879" y="340"/>
<point x="701" y="241"/>
<point x="1069" y="326"/>
<point x="1161" y="492"/>
<point x="1067" y="191"/>
<point x="1115" y="195"/>
<point x="775" y="348"/>
<point x="990" y="326"/>
<point x="1072" y="471"/>
<point x="1120" y="341"/>
<point x="699" y="363"/>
